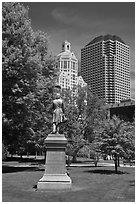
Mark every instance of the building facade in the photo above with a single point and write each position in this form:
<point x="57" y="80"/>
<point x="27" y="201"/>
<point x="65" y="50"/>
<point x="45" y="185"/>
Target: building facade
<point x="81" y="82"/>
<point x="105" y="67"/>
<point x="68" y="67"/>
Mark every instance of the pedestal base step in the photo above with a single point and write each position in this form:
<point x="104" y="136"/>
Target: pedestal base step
<point x="58" y="181"/>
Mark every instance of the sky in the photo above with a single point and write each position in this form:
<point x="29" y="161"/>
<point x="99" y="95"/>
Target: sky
<point x="81" y="22"/>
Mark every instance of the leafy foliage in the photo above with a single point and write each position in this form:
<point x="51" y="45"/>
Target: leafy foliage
<point x="27" y="74"/>
<point x="83" y="112"/>
<point x="116" y="137"/>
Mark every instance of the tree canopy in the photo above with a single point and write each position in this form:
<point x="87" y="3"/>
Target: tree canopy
<point x="117" y="138"/>
<point x="83" y="112"/>
<point x="27" y="72"/>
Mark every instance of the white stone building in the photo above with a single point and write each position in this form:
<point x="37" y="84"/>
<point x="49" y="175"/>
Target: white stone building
<point x="68" y="67"/>
<point x="81" y="82"/>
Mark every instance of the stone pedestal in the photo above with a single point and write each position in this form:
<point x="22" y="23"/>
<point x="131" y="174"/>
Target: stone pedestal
<point x="55" y="176"/>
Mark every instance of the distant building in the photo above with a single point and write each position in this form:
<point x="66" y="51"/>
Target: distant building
<point x="105" y="67"/>
<point x="81" y="82"/>
<point x="125" y="110"/>
<point x="68" y="66"/>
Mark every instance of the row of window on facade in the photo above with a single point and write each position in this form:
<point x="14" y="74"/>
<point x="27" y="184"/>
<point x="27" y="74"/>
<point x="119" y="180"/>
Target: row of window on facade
<point x="106" y="46"/>
<point x="118" y="58"/>
<point x="66" y="64"/>
<point x="109" y="51"/>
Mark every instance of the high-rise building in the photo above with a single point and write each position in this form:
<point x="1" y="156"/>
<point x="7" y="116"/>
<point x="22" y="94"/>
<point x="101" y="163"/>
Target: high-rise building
<point x="68" y="66"/>
<point x="105" y="67"/>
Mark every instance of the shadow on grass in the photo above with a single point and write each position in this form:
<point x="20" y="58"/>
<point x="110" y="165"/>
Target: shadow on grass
<point x="12" y="169"/>
<point x="105" y="171"/>
<point x="22" y="160"/>
<point x="80" y="162"/>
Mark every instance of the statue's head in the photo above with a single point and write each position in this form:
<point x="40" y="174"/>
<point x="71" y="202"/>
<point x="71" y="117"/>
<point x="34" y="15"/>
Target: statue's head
<point x="56" y="91"/>
<point x="57" y="95"/>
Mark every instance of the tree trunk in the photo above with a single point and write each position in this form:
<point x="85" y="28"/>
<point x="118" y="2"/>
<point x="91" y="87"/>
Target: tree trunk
<point x="74" y="159"/>
<point x="45" y="155"/>
<point x="36" y="155"/>
<point x="116" y="167"/>
<point x="68" y="161"/>
<point x="95" y="162"/>
<point x="118" y="162"/>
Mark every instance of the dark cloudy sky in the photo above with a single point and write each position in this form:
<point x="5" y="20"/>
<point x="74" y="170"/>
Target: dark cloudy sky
<point x="80" y="22"/>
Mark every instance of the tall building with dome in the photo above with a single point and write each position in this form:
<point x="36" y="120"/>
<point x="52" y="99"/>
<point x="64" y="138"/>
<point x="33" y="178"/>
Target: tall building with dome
<point x="81" y="82"/>
<point x="68" y="66"/>
<point x="105" y="67"/>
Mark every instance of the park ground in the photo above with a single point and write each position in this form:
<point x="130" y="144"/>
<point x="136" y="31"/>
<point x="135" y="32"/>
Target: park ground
<point x="89" y="183"/>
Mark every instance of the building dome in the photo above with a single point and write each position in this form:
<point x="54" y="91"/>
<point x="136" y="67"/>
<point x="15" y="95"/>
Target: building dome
<point x="66" y="51"/>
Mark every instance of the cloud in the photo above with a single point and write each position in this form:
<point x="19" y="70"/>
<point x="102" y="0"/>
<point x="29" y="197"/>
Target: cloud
<point x="96" y="22"/>
<point x="62" y="15"/>
<point x="67" y="17"/>
<point x="72" y="18"/>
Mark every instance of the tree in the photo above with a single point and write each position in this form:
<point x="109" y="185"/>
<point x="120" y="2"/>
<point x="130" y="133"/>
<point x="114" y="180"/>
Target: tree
<point x="40" y="111"/>
<point x="94" y="152"/>
<point x="115" y="137"/>
<point x="83" y="111"/>
<point x="73" y="129"/>
<point x="95" y="113"/>
<point x="27" y="72"/>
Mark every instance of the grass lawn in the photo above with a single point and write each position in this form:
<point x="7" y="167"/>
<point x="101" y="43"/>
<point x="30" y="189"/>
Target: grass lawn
<point x="90" y="184"/>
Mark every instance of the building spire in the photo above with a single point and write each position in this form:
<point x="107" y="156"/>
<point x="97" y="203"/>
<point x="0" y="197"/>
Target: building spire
<point x="66" y="46"/>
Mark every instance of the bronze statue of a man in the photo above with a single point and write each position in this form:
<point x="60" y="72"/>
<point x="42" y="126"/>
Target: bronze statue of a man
<point x="58" y="109"/>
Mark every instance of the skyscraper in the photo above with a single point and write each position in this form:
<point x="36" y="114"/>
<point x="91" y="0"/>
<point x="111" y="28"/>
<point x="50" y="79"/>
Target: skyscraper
<point x="68" y="66"/>
<point x="105" y="67"/>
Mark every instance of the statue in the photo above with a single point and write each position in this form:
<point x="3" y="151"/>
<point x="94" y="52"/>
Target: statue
<point x="55" y="175"/>
<point x="58" y="109"/>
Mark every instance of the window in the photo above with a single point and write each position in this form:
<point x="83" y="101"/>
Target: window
<point x="61" y="64"/>
<point x="65" y="65"/>
<point x="73" y="65"/>
<point x="68" y="65"/>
